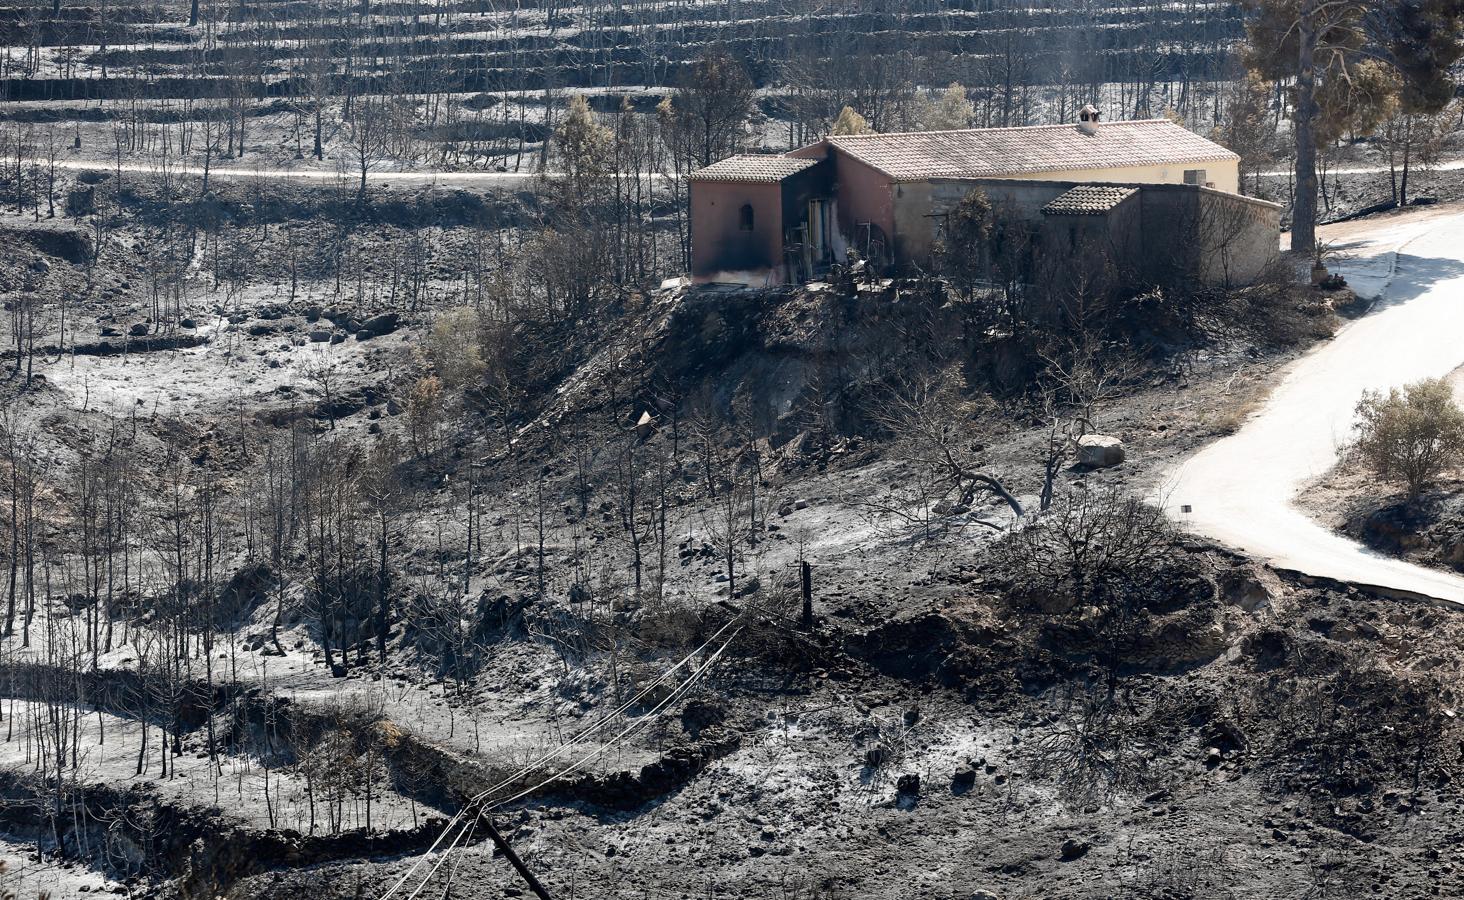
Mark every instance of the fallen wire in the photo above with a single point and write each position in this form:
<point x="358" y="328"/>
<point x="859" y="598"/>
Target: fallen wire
<point x="636" y="724"/>
<point x="460" y="818"/>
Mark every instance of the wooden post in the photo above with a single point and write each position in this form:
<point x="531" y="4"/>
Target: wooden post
<point x="807" y="572"/>
<point x="514" y="860"/>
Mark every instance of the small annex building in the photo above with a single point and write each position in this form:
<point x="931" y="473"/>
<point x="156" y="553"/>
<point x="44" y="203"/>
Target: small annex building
<point x="1159" y="196"/>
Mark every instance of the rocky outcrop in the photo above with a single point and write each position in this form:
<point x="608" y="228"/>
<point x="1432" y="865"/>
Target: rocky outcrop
<point x="74" y="245"/>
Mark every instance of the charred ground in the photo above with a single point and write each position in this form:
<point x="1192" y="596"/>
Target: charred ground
<point x="962" y="716"/>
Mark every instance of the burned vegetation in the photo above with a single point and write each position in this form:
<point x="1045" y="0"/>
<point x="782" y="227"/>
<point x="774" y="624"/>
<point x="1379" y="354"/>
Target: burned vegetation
<point x="396" y="501"/>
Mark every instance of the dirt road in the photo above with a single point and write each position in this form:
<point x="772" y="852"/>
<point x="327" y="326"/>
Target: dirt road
<point x="1240" y="489"/>
<point x="347" y="179"/>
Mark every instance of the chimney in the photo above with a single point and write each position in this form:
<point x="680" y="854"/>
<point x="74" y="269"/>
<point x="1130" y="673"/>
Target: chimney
<point x="1088" y="118"/>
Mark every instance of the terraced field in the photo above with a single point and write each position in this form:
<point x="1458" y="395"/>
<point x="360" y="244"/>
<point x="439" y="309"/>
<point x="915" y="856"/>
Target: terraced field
<point x="478" y="84"/>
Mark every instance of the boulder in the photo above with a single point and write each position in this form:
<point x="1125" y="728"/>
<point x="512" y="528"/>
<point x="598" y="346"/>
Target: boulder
<point x="138" y="330"/>
<point x="1248" y="587"/>
<point x="1072" y="849"/>
<point x="376" y="326"/>
<point x="320" y="335"/>
<point x="1098" y="451"/>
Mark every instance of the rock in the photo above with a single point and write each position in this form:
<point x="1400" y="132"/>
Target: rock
<point x="109" y="331"/>
<point x="1397" y="529"/>
<point x="1073" y="848"/>
<point x="749" y="586"/>
<point x="963" y="780"/>
<point x="1248" y="588"/>
<point x="376" y="326"/>
<point x="138" y="330"/>
<point x="261" y="330"/>
<point x="188" y="323"/>
<point x="908" y="785"/>
<point x="320" y="335"/>
<point x="983" y="895"/>
<point x="1213" y="757"/>
<point x="702" y="714"/>
<point x="1098" y="451"/>
<point x="645" y="426"/>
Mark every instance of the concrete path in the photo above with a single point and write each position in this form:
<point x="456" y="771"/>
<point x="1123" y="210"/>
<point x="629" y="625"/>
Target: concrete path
<point x="1240" y="489"/>
<point x="1450" y="165"/>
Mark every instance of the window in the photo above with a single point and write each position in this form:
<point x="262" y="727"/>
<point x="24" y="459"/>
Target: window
<point x="744" y="217"/>
<point x="1195" y="176"/>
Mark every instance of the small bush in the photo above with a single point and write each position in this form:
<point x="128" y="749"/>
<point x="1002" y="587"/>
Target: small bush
<point x="1411" y="436"/>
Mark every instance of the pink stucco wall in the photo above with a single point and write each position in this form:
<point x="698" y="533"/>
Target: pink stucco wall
<point x="718" y="245"/>
<point x="864" y="194"/>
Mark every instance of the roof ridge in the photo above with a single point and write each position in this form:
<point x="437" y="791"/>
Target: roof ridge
<point x="1072" y="125"/>
<point x="752" y="167"/>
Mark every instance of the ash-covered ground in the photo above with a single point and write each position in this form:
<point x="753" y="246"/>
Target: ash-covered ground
<point x="593" y="572"/>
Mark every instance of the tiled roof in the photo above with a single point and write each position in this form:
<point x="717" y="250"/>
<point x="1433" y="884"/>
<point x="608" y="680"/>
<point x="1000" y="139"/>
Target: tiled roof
<point x="1088" y="200"/>
<point x="751" y="167"/>
<point x="999" y="152"/>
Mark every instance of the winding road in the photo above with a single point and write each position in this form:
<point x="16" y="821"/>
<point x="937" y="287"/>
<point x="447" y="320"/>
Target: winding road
<point x="1240" y="489"/>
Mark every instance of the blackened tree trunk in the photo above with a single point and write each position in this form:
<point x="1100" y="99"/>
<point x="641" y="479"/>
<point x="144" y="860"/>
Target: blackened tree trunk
<point x="1304" y="210"/>
<point x="382" y="593"/>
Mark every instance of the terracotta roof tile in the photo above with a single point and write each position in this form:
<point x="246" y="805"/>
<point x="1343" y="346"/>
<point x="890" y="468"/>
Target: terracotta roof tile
<point x="752" y="167"/>
<point x="1088" y="200"/>
<point x="998" y="152"/>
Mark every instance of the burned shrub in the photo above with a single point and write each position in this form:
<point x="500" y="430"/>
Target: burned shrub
<point x="1353" y="730"/>
<point x="1093" y="562"/>
<point x="1091" y="746"/>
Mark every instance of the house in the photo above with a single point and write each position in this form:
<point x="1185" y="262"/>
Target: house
<point x="1164" y="201"/>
